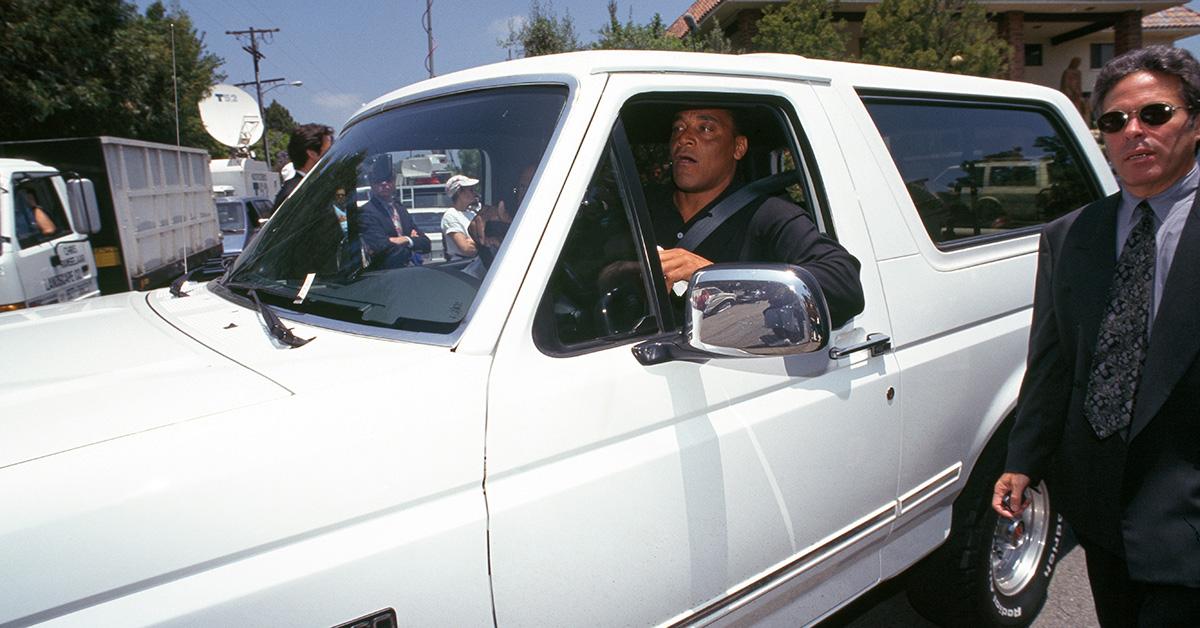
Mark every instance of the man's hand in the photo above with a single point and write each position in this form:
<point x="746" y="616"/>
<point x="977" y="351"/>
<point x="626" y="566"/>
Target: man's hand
<point x="400" y="240"/>
<point x="680" y="265"/>
<point x="1012" y="486"/>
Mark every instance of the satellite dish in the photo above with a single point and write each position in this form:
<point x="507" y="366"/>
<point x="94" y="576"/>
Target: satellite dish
<point x="230" y="116"/>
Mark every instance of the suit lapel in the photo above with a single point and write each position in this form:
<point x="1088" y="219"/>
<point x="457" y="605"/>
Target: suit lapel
<point x="1094" y="259"/>
<point x="1175" y="338"/>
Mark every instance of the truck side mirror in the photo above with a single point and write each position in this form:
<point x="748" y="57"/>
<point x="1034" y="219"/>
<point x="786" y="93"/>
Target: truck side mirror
<point x="746" y="310"/>
<point x="85" y="210"/>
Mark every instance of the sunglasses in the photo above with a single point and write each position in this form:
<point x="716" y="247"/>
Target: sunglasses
<point x="1156" y="114"/>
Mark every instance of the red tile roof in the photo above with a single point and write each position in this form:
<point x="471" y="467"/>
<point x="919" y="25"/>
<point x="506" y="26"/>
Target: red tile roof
<point x="699" y="10"/>
<point x="1174" y="17"/>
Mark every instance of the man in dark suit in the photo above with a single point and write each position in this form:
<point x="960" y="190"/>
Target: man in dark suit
<point x="386" y="231"/>
<point x="306" y="146"/>
<point x="1109" y="411"/>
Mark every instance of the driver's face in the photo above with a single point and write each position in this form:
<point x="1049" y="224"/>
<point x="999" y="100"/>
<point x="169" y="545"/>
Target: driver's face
<point x="705" y="149"/>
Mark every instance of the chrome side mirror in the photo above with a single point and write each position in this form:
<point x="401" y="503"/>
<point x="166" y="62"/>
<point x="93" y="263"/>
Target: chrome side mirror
<point x="746" y="310"/>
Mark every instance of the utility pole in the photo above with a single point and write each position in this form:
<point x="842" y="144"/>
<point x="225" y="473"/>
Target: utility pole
<point x="427" y="24"/>
<point x="254" y="33"/>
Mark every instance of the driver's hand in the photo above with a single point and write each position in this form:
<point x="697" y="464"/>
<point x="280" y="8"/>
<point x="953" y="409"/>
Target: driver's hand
<point x="680" y="265"/>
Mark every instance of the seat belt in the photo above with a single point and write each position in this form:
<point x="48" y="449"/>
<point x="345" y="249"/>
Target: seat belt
<point x="730" y="205"/>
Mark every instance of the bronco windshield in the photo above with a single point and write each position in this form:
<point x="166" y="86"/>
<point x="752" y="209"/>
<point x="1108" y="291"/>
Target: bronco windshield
<point x="336" y="253"/>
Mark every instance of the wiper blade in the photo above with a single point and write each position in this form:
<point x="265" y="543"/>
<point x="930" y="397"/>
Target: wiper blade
<point x="177" y="285"/>
<point x="275" y="326"/>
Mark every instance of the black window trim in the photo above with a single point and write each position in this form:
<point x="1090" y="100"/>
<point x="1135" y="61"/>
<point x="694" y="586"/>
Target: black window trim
<point x="869" y="95"/>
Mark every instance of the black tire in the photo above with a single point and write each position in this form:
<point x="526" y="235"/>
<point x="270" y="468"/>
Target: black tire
<point x="975" y="579"/>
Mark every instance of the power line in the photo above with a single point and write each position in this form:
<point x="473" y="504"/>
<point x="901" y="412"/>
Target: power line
<point x="258" y="56"/>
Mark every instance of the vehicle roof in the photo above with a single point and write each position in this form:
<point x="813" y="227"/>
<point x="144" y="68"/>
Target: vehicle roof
<point x="12" y="163"/>
<point x="549" y="68"/>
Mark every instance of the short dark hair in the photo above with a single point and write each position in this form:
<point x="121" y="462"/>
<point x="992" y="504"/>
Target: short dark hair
<point x="1163" y="59"/>
<point x="304" y="138"/>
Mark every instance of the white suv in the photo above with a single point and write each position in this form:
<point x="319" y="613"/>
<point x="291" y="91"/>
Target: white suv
<point x="545" y="435"/>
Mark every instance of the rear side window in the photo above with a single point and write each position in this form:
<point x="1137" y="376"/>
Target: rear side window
<point x="977" y="171"/>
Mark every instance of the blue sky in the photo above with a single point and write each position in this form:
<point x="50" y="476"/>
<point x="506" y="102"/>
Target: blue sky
<point x="350" y="51"/>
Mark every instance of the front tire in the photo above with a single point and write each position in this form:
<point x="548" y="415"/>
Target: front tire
<point x="991" y="571"/>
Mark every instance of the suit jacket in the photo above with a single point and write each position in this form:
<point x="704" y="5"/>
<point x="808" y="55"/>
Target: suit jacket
<point x="286" y="190"/>
<point x="1138" y="498"/>
<point x="372" y="226"/>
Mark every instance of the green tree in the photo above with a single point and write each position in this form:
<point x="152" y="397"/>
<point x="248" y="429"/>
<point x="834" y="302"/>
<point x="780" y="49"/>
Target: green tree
<point x="941" y="35"/>
<point x="630" y="36"/>
<point x="542" y="33"/>
<point x="279" y="127"/>
<point x="802" y="27"/>
<point x="92" y="67"/>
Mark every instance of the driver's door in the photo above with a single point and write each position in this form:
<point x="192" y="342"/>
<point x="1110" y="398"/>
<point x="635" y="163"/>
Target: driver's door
<point x="624" y="494"/>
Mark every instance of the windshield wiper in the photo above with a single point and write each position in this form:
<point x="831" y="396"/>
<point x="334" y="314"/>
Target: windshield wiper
<point x="177" y="285"/>
<point x="275" y="326"/>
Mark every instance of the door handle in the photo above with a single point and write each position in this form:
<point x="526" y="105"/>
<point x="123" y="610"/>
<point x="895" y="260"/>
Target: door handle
<point x="877" y="344"/>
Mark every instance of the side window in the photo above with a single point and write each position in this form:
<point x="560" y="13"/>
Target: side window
<point x="975" y="169"/>
<point x="38" y="212"/>
<point x="598" y="290"/>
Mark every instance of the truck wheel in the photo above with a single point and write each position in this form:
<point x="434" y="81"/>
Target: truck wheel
<point x="991" y="571"/>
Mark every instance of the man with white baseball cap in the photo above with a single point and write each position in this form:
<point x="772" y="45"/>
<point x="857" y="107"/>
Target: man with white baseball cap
<point x="461" y="190"/>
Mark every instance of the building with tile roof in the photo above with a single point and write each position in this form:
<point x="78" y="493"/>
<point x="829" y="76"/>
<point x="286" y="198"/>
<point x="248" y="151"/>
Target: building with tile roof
<point x="1043" y="36"/>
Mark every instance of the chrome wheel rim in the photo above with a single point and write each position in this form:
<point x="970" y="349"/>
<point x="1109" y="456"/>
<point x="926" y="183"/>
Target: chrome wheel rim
<point x="1018" y="545"/>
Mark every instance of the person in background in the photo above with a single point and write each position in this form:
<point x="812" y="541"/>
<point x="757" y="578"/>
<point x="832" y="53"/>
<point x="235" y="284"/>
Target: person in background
<point x="340" y="204"/>
<point x="387" y="233"/>
<point x="34" y="217"/>
<point x="461" y="190"/>
<point x="308" y="143"/>
<point x="1071" y="84"/>
<point x="1109" y="409"/>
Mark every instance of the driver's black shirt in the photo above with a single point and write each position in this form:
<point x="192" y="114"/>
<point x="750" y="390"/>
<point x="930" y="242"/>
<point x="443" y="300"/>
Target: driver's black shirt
<point x="768" y="229"/>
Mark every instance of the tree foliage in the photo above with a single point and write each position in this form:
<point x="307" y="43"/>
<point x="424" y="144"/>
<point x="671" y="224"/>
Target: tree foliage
<point x="941" y="35"/>
<point x="630" y="36"/>
<point x="802" y="27"/>
<point x="542" y="33"/>
<point x="98" y="67"/>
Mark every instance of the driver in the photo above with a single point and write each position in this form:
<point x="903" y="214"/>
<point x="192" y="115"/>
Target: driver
<point x="388" y="234"/>
<point x="705" y="147"/>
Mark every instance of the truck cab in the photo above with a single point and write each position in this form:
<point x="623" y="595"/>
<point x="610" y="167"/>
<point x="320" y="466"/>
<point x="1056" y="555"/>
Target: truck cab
<point x="42" y="258"/>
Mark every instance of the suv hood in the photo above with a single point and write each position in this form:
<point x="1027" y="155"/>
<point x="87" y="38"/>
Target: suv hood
<point x="81" y="373"/>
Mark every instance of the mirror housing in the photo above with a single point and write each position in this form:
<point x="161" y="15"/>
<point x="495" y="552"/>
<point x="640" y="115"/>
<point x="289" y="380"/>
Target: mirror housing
<point x="85" y="210"/>
<point x="746" y="310"/>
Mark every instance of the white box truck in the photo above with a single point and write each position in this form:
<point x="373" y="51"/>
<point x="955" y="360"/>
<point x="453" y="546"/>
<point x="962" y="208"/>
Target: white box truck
<point x="241" y="176"/>
<point x="156" y="217"/>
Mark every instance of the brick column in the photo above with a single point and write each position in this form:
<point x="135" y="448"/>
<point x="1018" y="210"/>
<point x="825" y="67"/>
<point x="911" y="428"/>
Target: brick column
<point x="1012" y="31"/>
<point x="1128" y="32"/>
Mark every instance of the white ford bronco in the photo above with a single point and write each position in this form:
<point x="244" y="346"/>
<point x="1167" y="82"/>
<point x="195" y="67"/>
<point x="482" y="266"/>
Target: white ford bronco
<point x="546" y="434"/>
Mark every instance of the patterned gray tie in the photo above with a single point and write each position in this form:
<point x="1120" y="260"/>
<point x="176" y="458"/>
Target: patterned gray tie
<point x="1121" y="343"/>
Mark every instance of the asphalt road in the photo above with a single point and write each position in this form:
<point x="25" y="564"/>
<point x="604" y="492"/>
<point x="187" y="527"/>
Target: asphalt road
<point x="1068" y="606"/>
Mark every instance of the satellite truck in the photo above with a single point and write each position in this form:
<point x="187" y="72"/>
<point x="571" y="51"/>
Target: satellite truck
<point x="149" y="218"/>
<point x="231" y="117"/>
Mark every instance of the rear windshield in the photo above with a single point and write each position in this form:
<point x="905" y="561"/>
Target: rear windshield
<point x="232" y="216"/>
<point x="365" y="259"/>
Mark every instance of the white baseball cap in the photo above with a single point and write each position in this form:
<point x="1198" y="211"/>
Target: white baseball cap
<point x="458" y="182"/>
